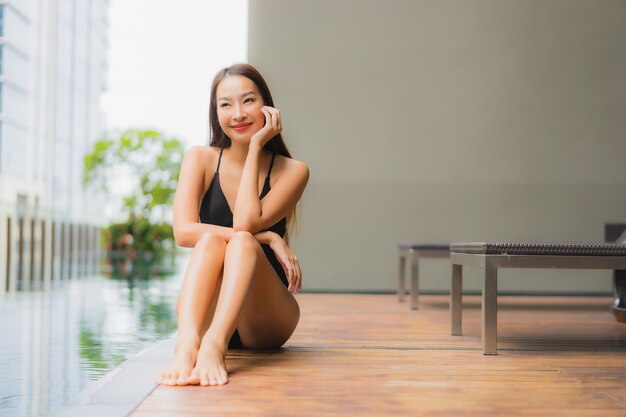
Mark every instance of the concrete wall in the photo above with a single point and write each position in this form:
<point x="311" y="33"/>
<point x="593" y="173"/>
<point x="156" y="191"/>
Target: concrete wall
<point x="450" y="120"/>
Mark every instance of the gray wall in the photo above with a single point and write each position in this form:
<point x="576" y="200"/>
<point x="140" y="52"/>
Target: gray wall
<point x="440" y="121"/>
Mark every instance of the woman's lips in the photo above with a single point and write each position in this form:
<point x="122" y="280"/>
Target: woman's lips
<point x="241" y="127"/>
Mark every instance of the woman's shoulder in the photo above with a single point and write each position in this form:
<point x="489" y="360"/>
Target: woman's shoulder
<point x="199" y="164"/>
<point x="202" y="151"/>
<point x="202" y="155"/>
<point x="292" y="166"/>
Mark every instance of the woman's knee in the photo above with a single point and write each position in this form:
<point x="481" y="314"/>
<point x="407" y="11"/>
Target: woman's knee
<point x="210" y="241"/>
<point x="243" y="241"/>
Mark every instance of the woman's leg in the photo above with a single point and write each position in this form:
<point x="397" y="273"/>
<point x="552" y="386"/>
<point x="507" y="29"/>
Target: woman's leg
<point x="194" y="301"/>
<point x="252" y="299"/>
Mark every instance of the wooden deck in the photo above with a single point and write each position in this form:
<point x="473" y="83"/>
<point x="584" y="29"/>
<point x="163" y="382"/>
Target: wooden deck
<point x="368" y="355"/>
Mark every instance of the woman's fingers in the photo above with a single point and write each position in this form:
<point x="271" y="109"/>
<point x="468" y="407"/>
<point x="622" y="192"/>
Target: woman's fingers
<point x="276" y="120"/>
<point x="272" y="117"/>
<point x="268" y="118"/>
<point x="296" y="282"/>
<point x="299" y="283"/>
<point x="299" y="286"/>
<point x="291" y="265"/>
<point x="288" y="268"/>
<point x="272" y="126"/>
<point x="292" y="276"/>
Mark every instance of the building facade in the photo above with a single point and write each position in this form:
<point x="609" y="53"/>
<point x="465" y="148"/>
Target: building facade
<point x="52" y="73"/>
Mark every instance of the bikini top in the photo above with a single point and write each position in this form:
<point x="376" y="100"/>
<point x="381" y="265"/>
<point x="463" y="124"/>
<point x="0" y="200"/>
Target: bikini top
<point x="214" y="208"/>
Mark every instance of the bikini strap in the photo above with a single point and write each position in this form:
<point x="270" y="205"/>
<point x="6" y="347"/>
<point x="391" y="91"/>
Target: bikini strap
<point x="219" y="161"/>
<point x="269" y="171"/>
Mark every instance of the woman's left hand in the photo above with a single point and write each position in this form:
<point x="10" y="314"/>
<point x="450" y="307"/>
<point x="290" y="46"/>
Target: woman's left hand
<point x="273" y="127"/>
<point x="290" y="263"/>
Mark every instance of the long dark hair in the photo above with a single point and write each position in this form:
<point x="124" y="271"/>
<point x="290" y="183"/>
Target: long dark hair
<point x="218" y="137"/>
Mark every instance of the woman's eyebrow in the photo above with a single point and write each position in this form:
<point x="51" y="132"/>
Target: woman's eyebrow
<point x="243" y="95"/>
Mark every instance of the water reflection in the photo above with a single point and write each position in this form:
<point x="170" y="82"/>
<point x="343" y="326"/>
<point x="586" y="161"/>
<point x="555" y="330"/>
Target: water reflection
<point x="54" y="342"/>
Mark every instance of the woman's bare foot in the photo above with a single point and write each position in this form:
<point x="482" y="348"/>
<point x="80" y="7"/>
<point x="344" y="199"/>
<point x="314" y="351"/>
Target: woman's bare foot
<point x="179" y="369"/>
<point x="210" y="368"/>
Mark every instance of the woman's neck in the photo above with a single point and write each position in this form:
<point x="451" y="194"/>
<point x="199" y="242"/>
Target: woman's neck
<point x="238" y="153"/>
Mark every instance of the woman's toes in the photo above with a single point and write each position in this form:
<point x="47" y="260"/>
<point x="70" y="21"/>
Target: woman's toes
<point x="194" y="378"/>
<point x="171" y="379"/>
<point x="222" y="378"/>
<point x="204" y="379"/>
<point x="218" y="378"/>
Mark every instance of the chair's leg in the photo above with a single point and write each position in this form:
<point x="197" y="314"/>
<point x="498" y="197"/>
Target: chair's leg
<point x="490" y="309"/>
<point x="415" y="287"/>
<point x="401" y="275"/>
<point x="619" y="289"/>
<point x="456" y="300"/>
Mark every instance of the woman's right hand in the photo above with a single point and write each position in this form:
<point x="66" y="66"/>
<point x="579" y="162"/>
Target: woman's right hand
<point x="273" y="126"/>
<point x="289" y="261"/>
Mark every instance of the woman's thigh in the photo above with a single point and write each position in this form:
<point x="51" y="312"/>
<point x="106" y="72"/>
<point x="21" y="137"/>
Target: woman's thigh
<point x="270" y="313"/>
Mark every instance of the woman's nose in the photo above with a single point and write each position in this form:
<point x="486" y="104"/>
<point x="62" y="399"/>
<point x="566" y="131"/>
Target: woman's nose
<point x="238" y="112"/>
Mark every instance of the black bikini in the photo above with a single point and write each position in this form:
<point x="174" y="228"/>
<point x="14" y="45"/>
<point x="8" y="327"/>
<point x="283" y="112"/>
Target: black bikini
<point x="214" y="209"/>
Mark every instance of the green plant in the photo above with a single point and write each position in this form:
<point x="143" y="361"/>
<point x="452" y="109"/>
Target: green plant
<point x="147" y="163"/>
<point x="146" y="159"/>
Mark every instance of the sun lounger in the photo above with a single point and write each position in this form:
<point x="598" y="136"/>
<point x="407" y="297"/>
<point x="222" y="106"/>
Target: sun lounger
<point x="415" y="251"/>
<point x="491" y="256"/>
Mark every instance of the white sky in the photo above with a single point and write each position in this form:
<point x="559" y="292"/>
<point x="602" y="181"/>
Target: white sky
<point x="162" y="58"/>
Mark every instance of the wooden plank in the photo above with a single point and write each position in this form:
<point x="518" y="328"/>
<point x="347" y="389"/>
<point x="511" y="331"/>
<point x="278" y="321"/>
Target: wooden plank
<point x="369" y="355"/>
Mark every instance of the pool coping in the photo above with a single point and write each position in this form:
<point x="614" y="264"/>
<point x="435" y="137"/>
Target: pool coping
<point x="121" y="390"/>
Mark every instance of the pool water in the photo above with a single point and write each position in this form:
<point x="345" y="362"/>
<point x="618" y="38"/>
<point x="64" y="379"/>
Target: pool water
<point x="54" y="342"/>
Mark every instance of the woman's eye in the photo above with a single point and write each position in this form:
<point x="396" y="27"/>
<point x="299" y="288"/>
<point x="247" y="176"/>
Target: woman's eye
<point x="223" y="104"/>
<point x="249" y="100"/>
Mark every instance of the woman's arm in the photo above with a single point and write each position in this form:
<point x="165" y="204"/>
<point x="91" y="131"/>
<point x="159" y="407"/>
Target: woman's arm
<point x="285" y="256"/>
<point x="252" y="215"/>
<point x="247" y="205"/>
<point x="266" y="237"/>
<point x="187" y="229"/>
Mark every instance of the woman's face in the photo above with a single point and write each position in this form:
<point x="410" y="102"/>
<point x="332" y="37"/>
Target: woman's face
<point x="239" y="106"/>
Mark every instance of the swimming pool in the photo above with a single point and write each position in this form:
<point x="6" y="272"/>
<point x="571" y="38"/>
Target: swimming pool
<point x="54" y="342"/>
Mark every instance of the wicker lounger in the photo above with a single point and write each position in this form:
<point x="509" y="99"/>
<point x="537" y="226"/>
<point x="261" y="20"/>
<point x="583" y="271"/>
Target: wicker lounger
<point x="414" y="251"/>
<point x="493" y="255"/>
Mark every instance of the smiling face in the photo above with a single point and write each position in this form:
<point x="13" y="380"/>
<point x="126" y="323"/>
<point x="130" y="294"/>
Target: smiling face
<point x="239" y="106"/>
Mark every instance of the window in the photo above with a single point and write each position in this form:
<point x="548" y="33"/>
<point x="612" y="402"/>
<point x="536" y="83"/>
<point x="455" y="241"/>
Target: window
<point x="14" y="141"/>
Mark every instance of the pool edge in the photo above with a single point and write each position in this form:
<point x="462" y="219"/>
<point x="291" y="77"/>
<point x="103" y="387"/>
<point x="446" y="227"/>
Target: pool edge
<point x="121" y="390"/>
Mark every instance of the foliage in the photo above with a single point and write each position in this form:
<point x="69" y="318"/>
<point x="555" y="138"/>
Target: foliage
<point x="138" y="235"/>
<point x="147" y="164"/>
<point x="145" y="159"/>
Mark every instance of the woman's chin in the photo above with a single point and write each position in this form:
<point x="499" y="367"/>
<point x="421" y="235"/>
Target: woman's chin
<point x="240" y="139"/>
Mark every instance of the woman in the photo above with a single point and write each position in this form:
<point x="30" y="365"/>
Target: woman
<point x="236" y="291"/>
